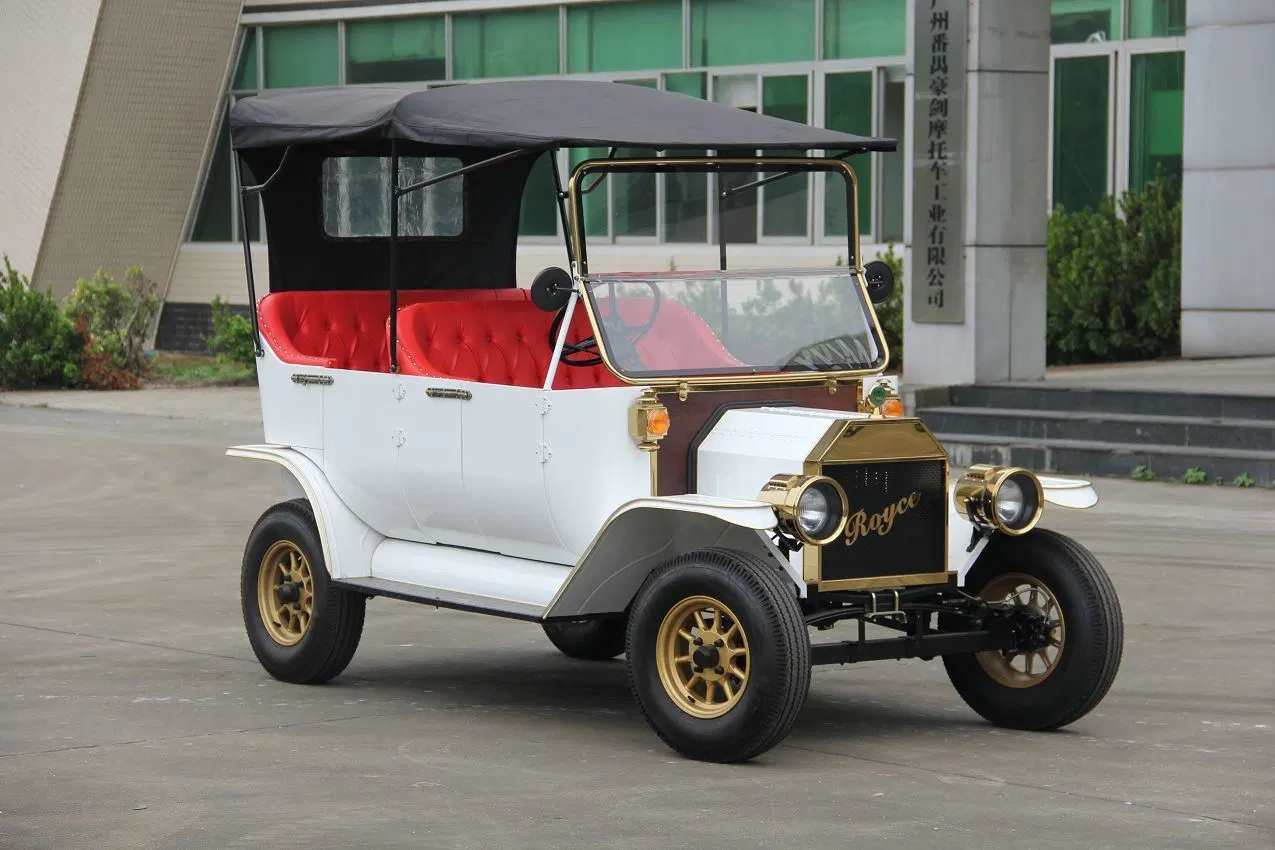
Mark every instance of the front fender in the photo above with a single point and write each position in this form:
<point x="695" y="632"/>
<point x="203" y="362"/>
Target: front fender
<point x="645" y="533"/>
<point x="1073" y="493"/>
<point x="347" y="541"/>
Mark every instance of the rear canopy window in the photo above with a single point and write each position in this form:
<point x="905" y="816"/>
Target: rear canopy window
<point x="356" y="197"/>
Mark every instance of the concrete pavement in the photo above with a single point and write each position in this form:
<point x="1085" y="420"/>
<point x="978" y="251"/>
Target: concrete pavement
<point x="132" y="713"/>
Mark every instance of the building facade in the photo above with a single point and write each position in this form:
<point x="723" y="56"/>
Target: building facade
<point x="1118" y="72"/>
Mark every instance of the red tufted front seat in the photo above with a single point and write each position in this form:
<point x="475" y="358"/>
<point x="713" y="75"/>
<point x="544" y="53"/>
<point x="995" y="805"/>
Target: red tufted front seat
<point x="490" y="342"/>
<point x="345" y="329"/>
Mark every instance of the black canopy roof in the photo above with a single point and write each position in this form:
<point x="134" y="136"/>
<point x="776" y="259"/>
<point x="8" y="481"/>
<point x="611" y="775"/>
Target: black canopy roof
<point x="523" y="114"/>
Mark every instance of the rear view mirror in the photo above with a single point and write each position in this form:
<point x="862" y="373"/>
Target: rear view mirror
<point x="879" y="278"/>
<point x="551" y="289"/>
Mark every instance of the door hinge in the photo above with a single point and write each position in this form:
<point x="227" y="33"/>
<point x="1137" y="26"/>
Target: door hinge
<point x="399" y="437"/>
<point x="543" y="405"/>
<point x="543" y="452"/>
<point x="400" y="390"/>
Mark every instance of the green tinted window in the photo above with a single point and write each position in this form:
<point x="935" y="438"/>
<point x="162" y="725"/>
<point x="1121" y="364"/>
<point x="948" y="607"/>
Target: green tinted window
<point x="848" y="108"/>
<point x="213" y="221"/>
<point x="855" y="29"/>
<point x="397" y="50"/>
<point x="595" y="203"/>
<point x="624" y="36"/>
<point x="693" y="83"/>
<point x="246" y="70"/>
<point x="505" y="44"/>
<point x="1084" y="20"/>
<point x="304" y="55"/>
<point x="784" y="206"/>
<point x="1155" y="117"/>
<point x="1081" y="106"/>
<point x="1157" y="18"/>
<point x="539" y="216"/>
<point x="746" y="32"/>
<point x="686" y="195"/>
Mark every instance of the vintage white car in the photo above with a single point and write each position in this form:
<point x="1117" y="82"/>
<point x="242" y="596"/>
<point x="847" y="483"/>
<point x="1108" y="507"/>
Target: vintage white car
<point x="693" y="469"/>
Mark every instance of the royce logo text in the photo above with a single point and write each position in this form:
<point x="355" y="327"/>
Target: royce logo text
<point x="862" y="524"/>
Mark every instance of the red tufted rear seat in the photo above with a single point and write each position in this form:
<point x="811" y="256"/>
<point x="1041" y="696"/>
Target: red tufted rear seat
<point x="345" y="329"/>
<point x="490" y="342"/>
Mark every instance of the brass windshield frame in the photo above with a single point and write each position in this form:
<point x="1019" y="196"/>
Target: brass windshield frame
<point x="690" y="381"/>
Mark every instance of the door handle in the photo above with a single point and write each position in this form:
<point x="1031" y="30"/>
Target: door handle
<point x="447" y="392"/>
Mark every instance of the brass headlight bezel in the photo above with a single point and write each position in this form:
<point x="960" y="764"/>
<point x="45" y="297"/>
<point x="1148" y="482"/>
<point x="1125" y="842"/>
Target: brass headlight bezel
<point x="784" y="493"/>
<point x="976" y="491"/>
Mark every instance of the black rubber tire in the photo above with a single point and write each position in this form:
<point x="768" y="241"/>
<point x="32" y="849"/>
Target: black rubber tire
<point x="1092" y="646"/>
<point x="594" y="639"/>
<point x="765" y="600"/>
<point x="337" y="622"/>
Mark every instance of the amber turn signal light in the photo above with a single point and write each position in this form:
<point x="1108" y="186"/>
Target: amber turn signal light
<point x="648" y="422"/>
<point x="892" y="407"/>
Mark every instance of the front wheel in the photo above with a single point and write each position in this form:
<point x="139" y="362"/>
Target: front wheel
<point x="301" y="628"/>
<point x="718" y="655"/>
<point x="1068" y="672"/>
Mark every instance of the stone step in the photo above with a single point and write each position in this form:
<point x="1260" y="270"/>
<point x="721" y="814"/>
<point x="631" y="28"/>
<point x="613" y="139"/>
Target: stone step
<point x="1106" y="459"/>
<point x="1084" y="425"/>
<point x="1042" y="396"/>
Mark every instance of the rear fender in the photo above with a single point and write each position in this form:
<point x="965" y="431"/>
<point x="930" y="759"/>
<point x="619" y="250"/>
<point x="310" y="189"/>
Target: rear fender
<point x="645" y="533"/>
<point x="347" y="541"/>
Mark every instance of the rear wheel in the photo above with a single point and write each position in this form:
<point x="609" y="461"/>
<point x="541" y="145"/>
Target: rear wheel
<point x="1075" y="660"/>
<point x="594" y="639"/>
<point x="718" y="655"/>
<point x="301" y="628"/>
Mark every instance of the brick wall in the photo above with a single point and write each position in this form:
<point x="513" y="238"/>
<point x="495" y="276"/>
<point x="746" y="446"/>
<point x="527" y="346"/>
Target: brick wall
<point x="149" y="105"/>
<point x="41" y="68"/>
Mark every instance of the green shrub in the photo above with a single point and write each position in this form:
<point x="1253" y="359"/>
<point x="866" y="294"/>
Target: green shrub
<point x="231" y="339"/>
<point x="117" y="317"/>
<point x="1243" y="480"/>
<point x="1142" y="472"/>
<point x="39" y="346"/>
<point x="1194" y="475"/>
<point x="1114" y="277"/>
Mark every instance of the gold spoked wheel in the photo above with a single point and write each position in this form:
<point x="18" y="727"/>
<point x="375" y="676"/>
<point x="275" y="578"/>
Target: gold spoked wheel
<point x="1024" y="669"/>
<point x="702" y="657"/>
<point x="285" y="592"/>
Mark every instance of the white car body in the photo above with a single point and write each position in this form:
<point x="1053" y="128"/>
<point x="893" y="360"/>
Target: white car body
<point x="527" y="502"/>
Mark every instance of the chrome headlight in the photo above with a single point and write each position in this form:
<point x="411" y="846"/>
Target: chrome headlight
<point x="1008" y="499"/>
<point x="813" y="508"/>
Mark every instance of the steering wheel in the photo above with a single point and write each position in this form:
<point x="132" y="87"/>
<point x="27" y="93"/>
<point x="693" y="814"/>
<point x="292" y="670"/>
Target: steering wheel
<point x="622" y="336"/>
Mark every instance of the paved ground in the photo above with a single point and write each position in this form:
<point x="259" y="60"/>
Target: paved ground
<point x="132" y="713"/>
<point x="1233" y="376"/>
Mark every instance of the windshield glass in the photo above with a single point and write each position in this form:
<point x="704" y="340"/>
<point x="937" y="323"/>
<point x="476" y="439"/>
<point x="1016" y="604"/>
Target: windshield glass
<point x="735" y="322"/>
<point x="768" y="319"/>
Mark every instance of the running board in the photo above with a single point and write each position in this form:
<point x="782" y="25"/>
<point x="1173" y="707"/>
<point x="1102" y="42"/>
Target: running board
<point x="468" y="579"/>
<point x="442" y="598"/>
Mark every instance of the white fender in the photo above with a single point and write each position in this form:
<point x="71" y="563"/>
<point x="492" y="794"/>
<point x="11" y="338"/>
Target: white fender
<point x="644" y="533"/>
<point x="347" y="541"/>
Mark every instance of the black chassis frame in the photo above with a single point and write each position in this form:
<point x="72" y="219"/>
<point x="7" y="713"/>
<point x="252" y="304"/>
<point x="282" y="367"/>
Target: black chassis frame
<point x="965" y="624"/>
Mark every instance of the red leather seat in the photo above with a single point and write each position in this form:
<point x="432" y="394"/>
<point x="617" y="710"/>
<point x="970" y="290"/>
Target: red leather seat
<point x="508" y="342"/>
<point x="345" y="329"/>
<point x="490" y="342"/>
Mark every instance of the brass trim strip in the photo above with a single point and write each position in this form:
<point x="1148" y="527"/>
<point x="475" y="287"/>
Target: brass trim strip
<point x="691" y="382"/>
<point x="447" y="392"/>
<point x="879" y="582"/>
